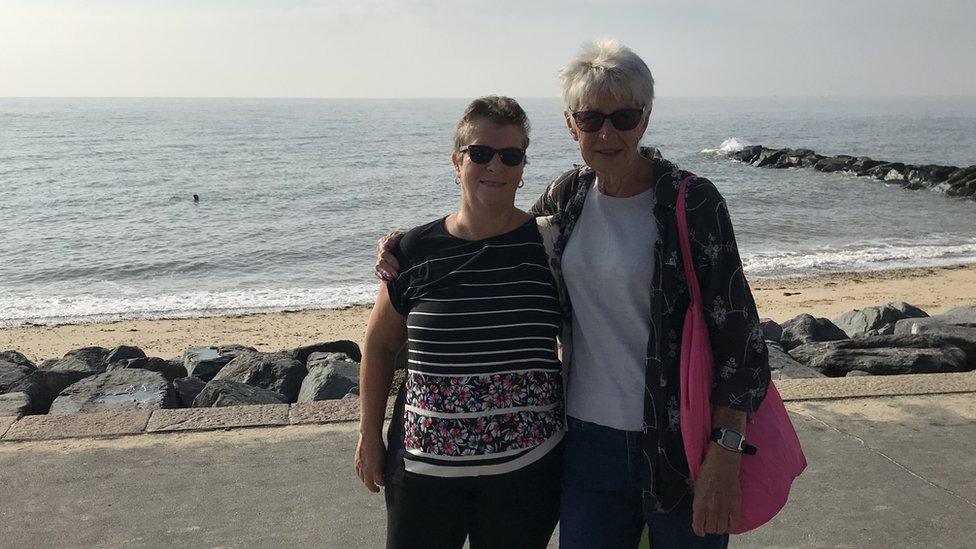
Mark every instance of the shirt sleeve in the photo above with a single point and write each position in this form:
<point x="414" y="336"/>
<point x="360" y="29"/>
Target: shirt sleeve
<point x="398" y="287"/>
<point x="544" y="205"/>
<point x="742" y="373"/>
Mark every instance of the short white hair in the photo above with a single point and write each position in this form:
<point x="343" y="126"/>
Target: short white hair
<point x="606" y="66"/>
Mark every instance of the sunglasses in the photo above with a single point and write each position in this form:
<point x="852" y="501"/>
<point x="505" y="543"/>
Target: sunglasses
<point x="482" y="154"/>
<point x="624" y="119"/>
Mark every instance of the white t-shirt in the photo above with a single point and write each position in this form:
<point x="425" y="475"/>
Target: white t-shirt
<point x="607" y="266"/>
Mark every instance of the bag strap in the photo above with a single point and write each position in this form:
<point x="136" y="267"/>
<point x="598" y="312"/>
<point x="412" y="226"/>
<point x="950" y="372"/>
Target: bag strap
<point x="687" y="260"/>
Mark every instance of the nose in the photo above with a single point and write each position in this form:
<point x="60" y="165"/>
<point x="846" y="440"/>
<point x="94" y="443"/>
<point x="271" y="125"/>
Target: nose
<point x="495" y="164"/>
<point x="606" y="128"/>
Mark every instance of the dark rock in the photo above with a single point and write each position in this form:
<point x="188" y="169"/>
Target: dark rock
<point x="187" y="389"/>
<point x="14" y="357"/>
<point x="882" y="355"/>
<point x="124" y="352"/>
<point x="342" y="346"/>
<point x="806" y="329"/>
<point x="95" y="357"/>
<point x="834" y="163"/>
<point x="770" y="158"/>
<point x="961" y="336"/>
<point x="234" y="350"/>
<point x="748" y="154"/>
<point x="962" y="182"/>
<point x="73" y="367"/>
<point x="811" y="160"/>
<point x="330" y="376"/>
<point x="169" y="370"/>
<point x="15" y="404"/>
<point x="863" y="164"/>
<point x="13" y="376"/>
<point x="204" y="362"/>
<point x="929" y="174"/>
<point x="223" y="392"/>
<point x="881" y="171"/>
<point x="116" y="390"/>
<point x="783" y="366"/>
<point x="277" y="372"/>
<point x="41" y="386"/>
<point x="772" y="331"/>
<point x="876" y="320"/>
<point x="960" y="316"/>
<point x="84" y="362"/>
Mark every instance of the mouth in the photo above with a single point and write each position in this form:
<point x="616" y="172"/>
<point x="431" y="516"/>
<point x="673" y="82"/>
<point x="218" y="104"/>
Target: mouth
<point x="491" y="183"/>
<point x="608" y="152"/>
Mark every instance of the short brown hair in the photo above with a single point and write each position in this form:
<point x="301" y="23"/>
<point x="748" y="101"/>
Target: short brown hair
<point x="496" y="109"/>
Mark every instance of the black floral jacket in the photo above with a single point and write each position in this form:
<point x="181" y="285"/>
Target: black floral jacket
<point x="741" y="358"/>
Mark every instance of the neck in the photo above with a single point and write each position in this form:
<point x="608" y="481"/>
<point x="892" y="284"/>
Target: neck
<point x="634" y="179"/>
<point x="479" y="223"/>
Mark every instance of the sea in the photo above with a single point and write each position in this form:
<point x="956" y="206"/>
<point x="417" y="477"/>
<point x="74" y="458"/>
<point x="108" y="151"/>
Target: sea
<point x="99" y="223"/>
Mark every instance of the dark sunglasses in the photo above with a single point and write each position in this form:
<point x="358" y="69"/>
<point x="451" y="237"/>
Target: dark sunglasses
<point x="624" y="119"/>
<point x="482" y="154"/>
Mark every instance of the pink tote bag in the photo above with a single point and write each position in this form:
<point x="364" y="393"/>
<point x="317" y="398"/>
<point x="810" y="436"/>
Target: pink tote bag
<point x="765" y="477"/>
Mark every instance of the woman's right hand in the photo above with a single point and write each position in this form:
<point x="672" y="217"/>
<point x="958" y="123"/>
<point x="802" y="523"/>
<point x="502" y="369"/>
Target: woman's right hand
<point x="387" y="267"/>
<point x="370" y="454"/>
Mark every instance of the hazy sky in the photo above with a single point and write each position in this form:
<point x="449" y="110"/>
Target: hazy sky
<point x="460" y="48"/>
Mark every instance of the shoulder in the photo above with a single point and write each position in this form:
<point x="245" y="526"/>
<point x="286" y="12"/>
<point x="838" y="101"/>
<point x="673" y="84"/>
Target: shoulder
<point x="566" y="185"/>
<point x="703" y="190"/>
<point x="419" y="241"/>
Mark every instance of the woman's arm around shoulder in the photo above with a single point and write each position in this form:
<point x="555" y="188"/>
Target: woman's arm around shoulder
<point x="557" y="194"/>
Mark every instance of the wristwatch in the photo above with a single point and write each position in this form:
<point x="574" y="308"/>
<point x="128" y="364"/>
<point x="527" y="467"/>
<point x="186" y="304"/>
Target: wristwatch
<point x="732" y="440"/>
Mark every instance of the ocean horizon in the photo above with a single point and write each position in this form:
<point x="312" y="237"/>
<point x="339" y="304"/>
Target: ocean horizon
<point x="99" y="221"/>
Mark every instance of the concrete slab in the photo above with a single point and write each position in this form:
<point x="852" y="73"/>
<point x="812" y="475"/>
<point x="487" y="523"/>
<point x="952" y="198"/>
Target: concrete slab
<point x="913" y="434"/>
<point x="99" y="424"/>
<point x="871" y="386"/>
<point x="883" y="472"/>
<point x="5" y="423"/>
<point x="192" y="419"/>
<point x="324" y="411"/>
<point x="329" y="411"/>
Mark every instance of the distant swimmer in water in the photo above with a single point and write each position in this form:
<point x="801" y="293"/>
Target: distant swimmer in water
<point x="196" y="198"/>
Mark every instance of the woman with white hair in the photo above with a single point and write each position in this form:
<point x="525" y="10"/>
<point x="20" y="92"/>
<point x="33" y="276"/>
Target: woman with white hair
<point x="619" y="255"/>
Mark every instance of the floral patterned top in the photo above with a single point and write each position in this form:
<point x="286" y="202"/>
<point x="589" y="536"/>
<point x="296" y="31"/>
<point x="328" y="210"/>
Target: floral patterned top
<point x="741" y="359"/>
<point x="483" y="393"/>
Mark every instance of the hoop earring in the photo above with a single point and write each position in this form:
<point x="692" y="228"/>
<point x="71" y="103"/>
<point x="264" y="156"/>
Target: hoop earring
<point x="521" y="184"/>
<point x="457" y="181"/>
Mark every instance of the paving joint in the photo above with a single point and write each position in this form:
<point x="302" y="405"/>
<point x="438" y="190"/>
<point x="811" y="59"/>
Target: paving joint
<point x="885" y="456"/>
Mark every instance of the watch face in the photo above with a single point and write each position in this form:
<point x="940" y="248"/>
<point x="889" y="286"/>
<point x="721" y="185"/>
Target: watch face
<point x="731" y="439"/>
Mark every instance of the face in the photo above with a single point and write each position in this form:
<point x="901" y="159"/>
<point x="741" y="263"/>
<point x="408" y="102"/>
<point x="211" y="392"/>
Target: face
<point x="608" y="150"/>
<point x="490" y="185"/>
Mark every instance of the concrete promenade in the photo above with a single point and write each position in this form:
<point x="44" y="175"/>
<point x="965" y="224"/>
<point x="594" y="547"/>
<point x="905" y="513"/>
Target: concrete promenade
<point x="892" y="464"/>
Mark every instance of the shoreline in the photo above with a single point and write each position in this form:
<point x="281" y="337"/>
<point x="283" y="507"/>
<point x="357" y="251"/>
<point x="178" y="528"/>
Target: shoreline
<point x="933" y="289"/>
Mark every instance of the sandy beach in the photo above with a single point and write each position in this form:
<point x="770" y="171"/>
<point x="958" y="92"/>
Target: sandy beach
<point x="934" y="289"/>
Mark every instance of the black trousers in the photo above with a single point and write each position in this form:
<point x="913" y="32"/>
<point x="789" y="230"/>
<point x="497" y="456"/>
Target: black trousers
<point x="512" y="511"/>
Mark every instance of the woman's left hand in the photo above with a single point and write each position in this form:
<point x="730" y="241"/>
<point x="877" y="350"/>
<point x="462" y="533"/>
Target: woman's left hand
<point x="718" y="497"/>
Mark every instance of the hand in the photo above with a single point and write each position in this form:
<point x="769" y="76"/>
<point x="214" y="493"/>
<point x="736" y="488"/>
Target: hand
<point x="387" y="267"/>
<point x="718" y="498"/>
<point x="370" y="454"/>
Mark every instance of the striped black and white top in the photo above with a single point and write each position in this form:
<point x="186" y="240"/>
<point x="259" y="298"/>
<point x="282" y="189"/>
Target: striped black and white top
<point x="484" y="389"/>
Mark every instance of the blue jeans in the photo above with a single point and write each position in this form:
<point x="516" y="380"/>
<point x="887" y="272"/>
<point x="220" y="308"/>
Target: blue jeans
<point x="601" y="504"/>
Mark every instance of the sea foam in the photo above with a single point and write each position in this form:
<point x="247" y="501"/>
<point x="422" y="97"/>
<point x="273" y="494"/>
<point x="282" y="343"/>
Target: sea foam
<point x="730" y="145"/>
<point x="864" y="257"/>
<point x="19" y="309"/>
